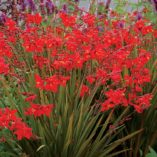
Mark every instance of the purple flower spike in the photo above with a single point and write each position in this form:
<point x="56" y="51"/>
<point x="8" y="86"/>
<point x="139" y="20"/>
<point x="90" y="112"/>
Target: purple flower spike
<point x="155" y="4"/>
<point x="139" y="16"/>
<point x="2" y="18"/>
<point x="31" y="5"/>
<point x="64" y="8"/>
<point x="108" y="4"/>
<point x="42" y="7"/>
<point x="23" y="7"/>
<point x="100" y="28"/>
<point x="120" y="24"/>
<point x="100" y="16"/>
<point x="50" y="7"/>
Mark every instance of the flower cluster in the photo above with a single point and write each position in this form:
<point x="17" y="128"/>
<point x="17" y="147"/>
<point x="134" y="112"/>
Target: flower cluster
<point x="78" y="56"/>
<point x="52" y="83"/>
<point x="4" y="68"/>
<point x="9" y="120"/>
<point x="38" y="110"/>
<point x="16" y="8"/>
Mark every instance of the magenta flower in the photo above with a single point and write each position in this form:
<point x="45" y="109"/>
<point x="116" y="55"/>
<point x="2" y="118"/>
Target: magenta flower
<point x="2" y="17"/>
<point x="50" y="7"/>
<point x="64" y="8"/>
<point x="155" y="4"/>
<point x="31" y="5"/>
<point x="139" y="16"/>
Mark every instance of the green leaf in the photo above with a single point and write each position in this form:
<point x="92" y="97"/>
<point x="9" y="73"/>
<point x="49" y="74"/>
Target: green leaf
<point x="42" y="146"/>
<point x="152" y="153"/>
<point x="113" y="145"/>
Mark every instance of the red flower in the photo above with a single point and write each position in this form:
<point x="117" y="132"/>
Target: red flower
<point x="6" y="116"/>
<point x="38" y="110"/>
<point x="11" y="25"/>
<point x="143" y="103"/>
<point x="114" y="98"/>
<point x="68" y="20"/>
<point x="21" y="130"/>
<point x="139" y="25"/>
<point x="53" y="82"/>
<point x="147" y="29"/>
<point x="41" y="61"/>
<point x="5" y="49"/>
<point x="9" y="120"/>
<point x="89" y="19"/>
<point x="155" y="33"/>
<point x="30" y="98"/>
<point x="84" y="90"/>
<point x="90" y="79"/>
<point x="4" y="68"/>
<point x="36" y="19"/>
<point x="39" y="82"/>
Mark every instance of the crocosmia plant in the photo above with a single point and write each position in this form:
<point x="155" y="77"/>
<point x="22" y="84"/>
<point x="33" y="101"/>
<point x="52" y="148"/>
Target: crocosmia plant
<point x="77" y="85"/>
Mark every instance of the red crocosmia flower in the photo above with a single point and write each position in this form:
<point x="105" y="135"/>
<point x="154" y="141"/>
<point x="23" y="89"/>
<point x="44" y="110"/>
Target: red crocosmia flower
<point x="39" y="82"/>
<point x="6" y="116"/>
<point x="68" y="20"/>
<point x="40" y="61"/>
<point x="101" y="75"/>
<point x="38" y="110"/>
<point x="63" y="80"/>
<point x="30" y="98"/>
<point x="84" y="90"/>
<point x="52" y="83"/>
<point x="36" y="18"/>
<point x="9" y="120"/>
<point x="50" y="86"/>
<point x="116" y="74"/>
<point x="143" y="102"/>
<point x="21" y="130"/>
<point x="10" y="24"/>
<point x="138" y="108"/>
<point x="12" y="39"/>
<point x="5" y="49"/>
<point x="155" y="33"/>
<point x="4" y="68"/>
<point x="147" y="29"/>
<point x="139" y="25"/>
<point x="116" y="77"/>
<point x="59" y="30"/>
<point x="52" y="41"/>
<point x="90" y="79"/>
<point x="89" y="19"/>
<point x="78" y="61"/>
<point x="114" y="98"/>
<point x="107" y="105"/>
<point x="138" y="88"/>
<point x="39" y="43"/>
